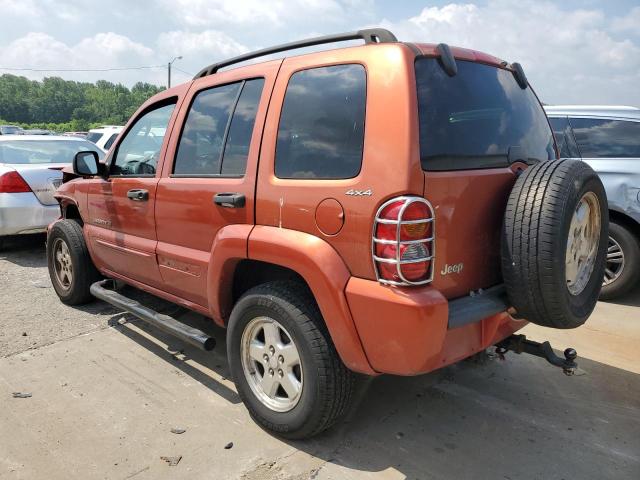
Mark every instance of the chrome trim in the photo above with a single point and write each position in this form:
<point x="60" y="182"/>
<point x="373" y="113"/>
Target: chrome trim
<point x="408" y="200"/>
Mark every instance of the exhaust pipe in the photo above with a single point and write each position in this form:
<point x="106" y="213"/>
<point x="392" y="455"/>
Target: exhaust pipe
<point x="166" y="323"/>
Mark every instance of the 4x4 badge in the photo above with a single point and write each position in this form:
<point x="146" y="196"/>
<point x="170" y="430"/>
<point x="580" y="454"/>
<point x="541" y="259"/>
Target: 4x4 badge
<point x="359" y="193"/>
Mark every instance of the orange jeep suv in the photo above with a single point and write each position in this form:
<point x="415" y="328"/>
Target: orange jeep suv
<point x="381" y="208"/>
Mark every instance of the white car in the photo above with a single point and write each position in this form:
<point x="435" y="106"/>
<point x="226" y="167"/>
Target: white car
<point x="30" y="173"/>
<point x="104" y="136"/>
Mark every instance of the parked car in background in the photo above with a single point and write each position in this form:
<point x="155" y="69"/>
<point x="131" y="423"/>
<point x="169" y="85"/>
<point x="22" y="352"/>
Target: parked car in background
<point x="11" y="130"/>
<point x="76" y="134"/>
<point x="30" y="172"/>
<point x="104" y="136"/>
<point x="608" y="139"/>
<point x="38" y="131"/>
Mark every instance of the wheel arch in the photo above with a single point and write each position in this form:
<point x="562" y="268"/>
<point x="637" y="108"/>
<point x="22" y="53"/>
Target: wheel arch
<point x="271" y="253"/>
<point x="625" y="220"/>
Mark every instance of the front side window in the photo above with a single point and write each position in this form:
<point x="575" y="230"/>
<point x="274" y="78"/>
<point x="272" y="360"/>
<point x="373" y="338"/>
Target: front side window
<point x="479" y="118"/>
<point x="218" y="130"/>
<point x="138" y="152"/>
<point x="109" y="142"/>
<point x="604" y="138"/>
<point x="321" y="132"/>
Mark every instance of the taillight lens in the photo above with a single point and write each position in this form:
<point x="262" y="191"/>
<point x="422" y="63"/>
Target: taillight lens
<point x="12" y="182"/>
<point x="403" y="242"/>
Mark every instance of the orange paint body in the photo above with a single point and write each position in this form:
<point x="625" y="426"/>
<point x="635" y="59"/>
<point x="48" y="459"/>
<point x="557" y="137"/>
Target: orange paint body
<point x="181" y="246"/>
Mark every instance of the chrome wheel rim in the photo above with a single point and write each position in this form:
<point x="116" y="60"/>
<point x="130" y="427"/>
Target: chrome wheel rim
<point x="615" y="262"/>
<point x="63" y="267"/>
<point x="271" y="364"/>
<point x="582" y="243"/>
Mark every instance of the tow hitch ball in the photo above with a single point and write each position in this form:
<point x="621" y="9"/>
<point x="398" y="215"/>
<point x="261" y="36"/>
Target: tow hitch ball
<point x="520" y="344"/>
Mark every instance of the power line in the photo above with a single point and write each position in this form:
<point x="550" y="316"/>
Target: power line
<point x="183" y="71"/>
<point x="23" y="69"/>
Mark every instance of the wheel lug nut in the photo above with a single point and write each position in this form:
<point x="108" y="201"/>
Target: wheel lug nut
<point x="280" y="373"/>
<point x="280" y="359"/>
<point x="271" y="372"/>
<point x="272" y="350"/>
<point x="265" y="357"/>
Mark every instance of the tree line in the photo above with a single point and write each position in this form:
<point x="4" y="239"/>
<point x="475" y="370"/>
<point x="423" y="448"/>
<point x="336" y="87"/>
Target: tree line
<point x="65" y="105"/>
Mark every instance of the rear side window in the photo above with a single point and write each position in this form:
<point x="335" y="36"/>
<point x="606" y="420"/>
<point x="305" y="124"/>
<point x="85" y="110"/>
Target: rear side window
<point x="321" y="130"/>
<point x="602" y="138"/>
<point x="479" y="118"/>
<point x="94" y="136"/>
<point x="564" y="138"/>
<point x="217" y="133"/>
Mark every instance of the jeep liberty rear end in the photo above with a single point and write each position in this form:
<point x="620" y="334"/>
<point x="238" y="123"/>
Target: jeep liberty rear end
<point x="385" y="208"/>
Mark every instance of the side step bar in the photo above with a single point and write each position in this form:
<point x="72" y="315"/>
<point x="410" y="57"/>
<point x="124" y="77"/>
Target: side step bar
<point x="104" y="291"/>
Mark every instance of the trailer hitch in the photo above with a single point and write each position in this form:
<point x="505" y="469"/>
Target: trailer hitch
<point x="520" y="344"/>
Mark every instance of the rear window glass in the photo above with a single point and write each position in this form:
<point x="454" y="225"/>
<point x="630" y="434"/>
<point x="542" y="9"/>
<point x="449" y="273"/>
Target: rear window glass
<point x="29" y="152"/>
<point x="321" y="130"/>
<point x="607" y="138"/>
<point x="564" y="138"/>
<point x="94" y="136"/>
<point x="479" y="118"/>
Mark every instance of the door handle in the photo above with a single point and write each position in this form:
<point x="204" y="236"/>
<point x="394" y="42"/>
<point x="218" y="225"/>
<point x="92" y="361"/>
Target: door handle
<point x="138" y="195"/>
<point x="230" y="200"/>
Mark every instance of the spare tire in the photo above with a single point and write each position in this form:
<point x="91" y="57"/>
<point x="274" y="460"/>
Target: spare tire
<point x="554" y="243"/>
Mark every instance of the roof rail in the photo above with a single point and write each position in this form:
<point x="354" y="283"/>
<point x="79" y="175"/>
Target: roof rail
<point x="371" y="35"/>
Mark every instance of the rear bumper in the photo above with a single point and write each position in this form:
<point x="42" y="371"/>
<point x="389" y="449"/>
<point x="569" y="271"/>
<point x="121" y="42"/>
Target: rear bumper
<point x="412" y="331"/>
<point x="23" y="213"/>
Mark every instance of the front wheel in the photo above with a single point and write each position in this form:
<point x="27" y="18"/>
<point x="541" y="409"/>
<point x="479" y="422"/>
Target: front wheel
<point x="283" y="362"/>
<point x="70" y="267"/>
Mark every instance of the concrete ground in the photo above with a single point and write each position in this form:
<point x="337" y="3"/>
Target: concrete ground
<point x="106" y="392"/>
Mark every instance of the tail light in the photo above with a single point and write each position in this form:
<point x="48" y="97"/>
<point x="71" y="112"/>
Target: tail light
<point x="12" y="182"/>
<point x="403" y="242"/>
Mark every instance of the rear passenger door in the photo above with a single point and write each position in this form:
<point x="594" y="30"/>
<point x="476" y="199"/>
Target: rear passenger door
<point x="209" y="177"/>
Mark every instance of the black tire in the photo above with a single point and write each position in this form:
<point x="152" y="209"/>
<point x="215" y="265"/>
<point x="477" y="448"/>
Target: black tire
<point x="629" y="276"/>
<point x="328" y="385"/>
<point x="534" y="243"/>
<point x="84" y="273"/>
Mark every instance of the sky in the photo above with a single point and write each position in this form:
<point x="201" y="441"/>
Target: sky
<point x="572" y="51"/>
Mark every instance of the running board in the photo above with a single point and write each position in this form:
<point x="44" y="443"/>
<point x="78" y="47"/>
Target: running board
<point x="104" y="291"/>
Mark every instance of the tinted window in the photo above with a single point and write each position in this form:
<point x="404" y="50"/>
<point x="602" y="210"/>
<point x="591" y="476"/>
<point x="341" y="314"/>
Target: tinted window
<point x="25" y="152"/>
<point x="236" y="149"/>
<point x="321" y="129"/>
<point x="107" y="145"/>
<point x="138" y="152"/>
<point x="94" y="136"/>
<point x="202" y="140"/>
<point x="475" y="118"/>
<point x="607" y="138"/>
<point x="564" y="138"/>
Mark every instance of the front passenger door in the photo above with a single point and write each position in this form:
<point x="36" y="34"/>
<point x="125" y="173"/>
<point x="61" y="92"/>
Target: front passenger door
<point x="122" y="228"/>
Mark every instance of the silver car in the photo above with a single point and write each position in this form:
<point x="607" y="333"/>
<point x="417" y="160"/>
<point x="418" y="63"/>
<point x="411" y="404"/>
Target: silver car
<point x="30" y="172"/>
<point x="608" y="139"/>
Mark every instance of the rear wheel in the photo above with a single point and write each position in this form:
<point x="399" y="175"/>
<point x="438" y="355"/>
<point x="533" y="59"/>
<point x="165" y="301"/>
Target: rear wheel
<point x="70" y="267"/>
<point x="283" y="362"/>
<point x="622" y="270"/>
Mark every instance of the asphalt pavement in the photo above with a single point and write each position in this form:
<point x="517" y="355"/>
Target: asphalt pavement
<point x="106" y="391"/>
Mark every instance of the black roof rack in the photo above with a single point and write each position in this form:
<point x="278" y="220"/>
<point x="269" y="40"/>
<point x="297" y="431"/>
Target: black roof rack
<point x="371" y="35"/>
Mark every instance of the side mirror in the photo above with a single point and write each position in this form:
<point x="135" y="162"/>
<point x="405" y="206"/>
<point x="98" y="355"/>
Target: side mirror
<point x="86" y="164"/>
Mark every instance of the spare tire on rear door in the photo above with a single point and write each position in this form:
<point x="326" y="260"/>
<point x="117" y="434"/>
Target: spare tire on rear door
<point x="554" y="243"/>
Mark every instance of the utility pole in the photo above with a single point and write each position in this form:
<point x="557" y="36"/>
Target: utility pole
<point x="169" y="70"/>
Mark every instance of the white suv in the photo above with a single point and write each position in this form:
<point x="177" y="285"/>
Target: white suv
<point x="104" y="136"/>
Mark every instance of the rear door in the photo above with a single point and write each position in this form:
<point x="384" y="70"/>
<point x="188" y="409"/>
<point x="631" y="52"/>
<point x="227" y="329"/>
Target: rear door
<point x="477" y="128"/>
<point x="209" y="178"/>
<point x="121" y="226"/>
